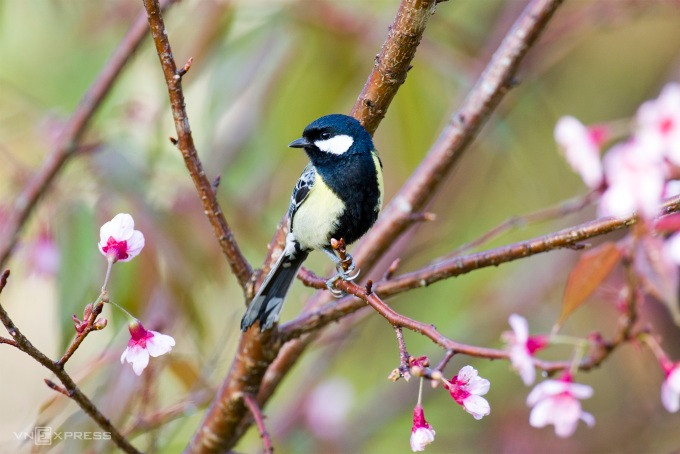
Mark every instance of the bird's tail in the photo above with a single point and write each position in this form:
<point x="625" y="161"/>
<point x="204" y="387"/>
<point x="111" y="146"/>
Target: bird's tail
<point x="266" y="304"/>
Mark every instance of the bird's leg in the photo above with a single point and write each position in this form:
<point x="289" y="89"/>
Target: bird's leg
<point x="344" y="270"/>
<point x="345" y="267"/>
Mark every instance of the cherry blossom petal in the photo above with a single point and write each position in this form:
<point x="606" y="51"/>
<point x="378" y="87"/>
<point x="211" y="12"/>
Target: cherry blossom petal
<point x="120" y="227"/>
<point x="580" y="149"/>
<point x="478" y="386"/>
<point x="159" y="344"/>
<point x="466" y="374"/>
<point x="588" y="418"/>
<point x="477" y="406"/>
<point x="545" y="389"/>
<point x="420" y="438"/>
<point x="134" y="245"/>
<point x="540" y="415"/>
<point x="137" y="356"/>
<point x="567" y="413"/>
<point x="523" y="363"/>
<point x="520" y="327"/>
<point x="670" y="391"/>
<point x="580" y="391"/>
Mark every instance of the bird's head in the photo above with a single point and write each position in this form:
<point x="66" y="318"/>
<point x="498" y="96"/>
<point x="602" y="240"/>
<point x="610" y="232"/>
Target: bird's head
<point x="332" y="137"/>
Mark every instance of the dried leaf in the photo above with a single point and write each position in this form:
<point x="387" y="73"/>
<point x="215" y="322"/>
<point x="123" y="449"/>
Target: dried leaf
<point x="592" y="268"/>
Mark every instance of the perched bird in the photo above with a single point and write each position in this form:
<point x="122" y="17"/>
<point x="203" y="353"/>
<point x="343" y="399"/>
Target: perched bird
<point x="338" y="195"/>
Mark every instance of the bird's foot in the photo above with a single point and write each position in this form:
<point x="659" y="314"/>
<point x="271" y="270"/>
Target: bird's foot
<point x="330" y="285"/>
<point x="346" y="267"/>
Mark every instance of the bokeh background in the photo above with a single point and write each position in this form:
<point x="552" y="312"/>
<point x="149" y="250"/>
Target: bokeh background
<point x="263" y="70"/>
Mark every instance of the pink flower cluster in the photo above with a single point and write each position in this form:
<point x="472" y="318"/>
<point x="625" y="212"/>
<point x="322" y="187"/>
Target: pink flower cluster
<point x="634" y="173"/>
<point x="466" y="388"/>
<point x="120" y="242"/>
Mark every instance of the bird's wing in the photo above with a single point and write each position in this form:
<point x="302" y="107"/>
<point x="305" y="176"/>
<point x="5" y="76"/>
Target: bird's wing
<point x="302" y="188"/>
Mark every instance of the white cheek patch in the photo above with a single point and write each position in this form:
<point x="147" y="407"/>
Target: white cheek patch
<point x="336" y="145"/>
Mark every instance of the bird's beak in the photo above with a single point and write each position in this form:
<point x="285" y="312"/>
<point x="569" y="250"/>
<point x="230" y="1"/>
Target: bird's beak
<point x="299" y="143"/>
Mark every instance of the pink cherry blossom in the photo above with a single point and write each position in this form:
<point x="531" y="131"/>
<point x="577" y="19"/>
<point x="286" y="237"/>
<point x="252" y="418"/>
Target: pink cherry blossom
<point x="43" y="255"/>
<point x="659" y="123"/>
<point x="522" y="347"/>
<point x="467" y="389"/>
<point x="635" y="181"/>
<point x="119" y="241"/>
<point x="422" y="433"/>
<point x="557" y="402"/>
<point x="670" y="388"/>
<point x="144" y="343"/>
<point x="581" y="148"/>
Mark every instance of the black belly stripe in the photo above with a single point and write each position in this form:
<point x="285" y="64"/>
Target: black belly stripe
<point x="354" y="181"/>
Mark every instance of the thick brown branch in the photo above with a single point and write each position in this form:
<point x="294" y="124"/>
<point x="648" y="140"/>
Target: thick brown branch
<point x="254" y="408"/>
<point x="185" y="142"/>
<point x="393" y="62"/>
<point x="67" y="144"/>
<point x="70" y="388"/>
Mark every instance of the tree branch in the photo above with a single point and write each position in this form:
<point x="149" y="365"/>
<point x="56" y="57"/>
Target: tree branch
<point x="68" y="142"/>
<point x="456" y="266"/>
<point x="185" y="143"/>
<point x="251" y="403"/>
<point x="226" y="420"/>
<point x="70" y="388"/>
<point x="393" y="62"/>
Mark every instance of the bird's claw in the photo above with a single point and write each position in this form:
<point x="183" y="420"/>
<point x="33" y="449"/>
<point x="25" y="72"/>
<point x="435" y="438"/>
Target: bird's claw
<point x="346" y="274"/>
<point x="330" y="285"/>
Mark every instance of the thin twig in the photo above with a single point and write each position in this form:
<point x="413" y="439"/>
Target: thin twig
<point x="560" y="210"/>
<point x="4" y="340"/>
<point x="68" y="143"/>
<point x="70" y="388"/>
<point x="254" y="408"/>
<point x="403" y="353"/>
<point x="86" y="329"/>
<point x="453" y="347"/>
<point x="158" y="418"/>
<point x="445" y="360"/>
<point x="185" y="142"/>
<point x="57" y="388"/>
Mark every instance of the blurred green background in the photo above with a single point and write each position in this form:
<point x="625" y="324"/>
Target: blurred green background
<point x="263" y="70"/>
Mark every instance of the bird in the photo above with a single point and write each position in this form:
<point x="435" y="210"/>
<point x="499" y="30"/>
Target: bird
<point x="338" y="196"/>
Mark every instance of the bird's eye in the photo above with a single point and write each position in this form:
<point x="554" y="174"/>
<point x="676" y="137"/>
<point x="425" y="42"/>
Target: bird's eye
<point x="325" y="135"/>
